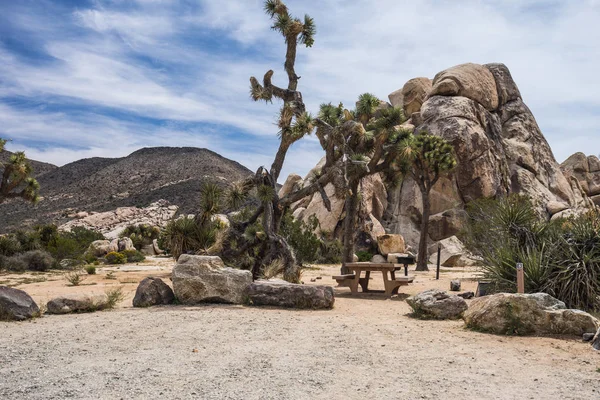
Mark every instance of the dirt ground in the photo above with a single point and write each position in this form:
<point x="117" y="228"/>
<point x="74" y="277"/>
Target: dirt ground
<point x="366" y="347"/>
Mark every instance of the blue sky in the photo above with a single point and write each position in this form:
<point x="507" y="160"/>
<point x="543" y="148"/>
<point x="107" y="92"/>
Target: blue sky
<point x="83" y="78"/>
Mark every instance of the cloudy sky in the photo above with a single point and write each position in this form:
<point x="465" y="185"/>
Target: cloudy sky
<point x="83" y="78"/>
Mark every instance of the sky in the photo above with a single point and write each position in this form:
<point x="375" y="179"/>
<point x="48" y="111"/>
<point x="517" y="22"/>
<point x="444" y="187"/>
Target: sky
<point x="87" y="78"/>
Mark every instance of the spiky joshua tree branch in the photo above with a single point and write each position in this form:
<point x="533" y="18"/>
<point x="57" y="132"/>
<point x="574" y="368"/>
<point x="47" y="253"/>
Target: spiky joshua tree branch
<point x="16" y="180"/>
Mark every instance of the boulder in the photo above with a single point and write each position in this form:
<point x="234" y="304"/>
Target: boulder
<point x="291" y="184"/>
<point x="204" y="279"/>
<point x="452" y="253"/>
<point x="392" y="243"/>
<point x="156" y="247"/>
<point x="153" y="292"/>
<point x="289" y="295"/>
<point x="100" y="248"/>
<point x="148" y="250"/>
<point x="472" y="81"/>
<point x="412" y="95"/>
<point x="455" y="285"/>
<point x="77" y="304"/>
<point x="125" y="244"/>
<point x="527" y="314"/>
<point x="446" y="224"/>
<point x="466" y="295"/>
<point x="437" y="304"/>
<point x="379" y="259"/>
<point x="16" y="305"/>
<point x="596" y="341"/>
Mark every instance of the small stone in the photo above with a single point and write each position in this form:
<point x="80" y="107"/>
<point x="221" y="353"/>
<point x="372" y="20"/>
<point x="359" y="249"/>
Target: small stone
<point x="466" y="295"/>
<point x="455" y="285"/>
<point x="588" y="337"/>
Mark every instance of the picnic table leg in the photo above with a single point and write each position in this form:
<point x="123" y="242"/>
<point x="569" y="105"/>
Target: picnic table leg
<point x="354" y="283"/>
<point x="386" y="283"/>
<point x="364" y="282"/>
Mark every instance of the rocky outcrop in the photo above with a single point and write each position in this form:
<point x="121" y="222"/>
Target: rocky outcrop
<point x="527" y="314"/>
<point x="77" y="304"/>
<point x="437" y="304"/>
<point x="153" y="292"/>
<point x="204" y="279"/>
<point x="112" y="223"/>
<point x="586" y="170"/>
<point x="412" y="95"/>
<point x="288" y="295"/>
<point x="16" y="305"/>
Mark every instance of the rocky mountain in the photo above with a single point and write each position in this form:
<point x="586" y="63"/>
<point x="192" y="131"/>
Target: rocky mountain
<point x="173" y="174"/>
<point x="500" y="150"/>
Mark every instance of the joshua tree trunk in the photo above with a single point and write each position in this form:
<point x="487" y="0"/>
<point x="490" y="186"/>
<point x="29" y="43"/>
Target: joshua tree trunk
<point x="351" y="207"/>
<point x="422" y="255"/>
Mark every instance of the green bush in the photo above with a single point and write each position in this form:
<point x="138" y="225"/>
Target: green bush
<point x="331" y="251"/>
<point x="133" y="256"/>
<point x="364" y="256"/>
<point x="301" y="237"/>
<point x="90" y="258"/>
<point x="14" y="263"/>
<point x="9" y="246"/>
<point x="115" y="258"/>
<point x="184" y="235"/>
<point x="37" y="260"/>
<point x="561" y="258"/>
<point x="141" y="235"/>
<point x="90" y="269"/>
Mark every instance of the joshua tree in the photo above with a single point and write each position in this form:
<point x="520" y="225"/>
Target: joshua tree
<point x="426" y="158"/>
<point x="357" y="144"/>
<point x="16" y="181"/>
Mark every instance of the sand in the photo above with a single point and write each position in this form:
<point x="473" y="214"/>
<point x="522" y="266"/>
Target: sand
<point x="366" y="347"/>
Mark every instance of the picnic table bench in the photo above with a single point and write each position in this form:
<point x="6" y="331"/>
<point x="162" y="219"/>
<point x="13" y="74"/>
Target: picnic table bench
<point x="391" y="283"/>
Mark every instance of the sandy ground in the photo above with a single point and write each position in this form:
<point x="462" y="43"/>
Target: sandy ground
<point x="366" y="347"/>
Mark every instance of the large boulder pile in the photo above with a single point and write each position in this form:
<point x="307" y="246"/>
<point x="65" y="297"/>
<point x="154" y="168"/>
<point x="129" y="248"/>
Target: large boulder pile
<point x="112" y="223"/>
<point x="527" y="314"/>
<point x="100" y="248"/>
<point x="437" y="304"/>
<point x="279" y="293"/>
<point x="16" y="305"/>
<point x="205" y="279"/>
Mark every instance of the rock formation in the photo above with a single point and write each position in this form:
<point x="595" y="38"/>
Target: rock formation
<point x="499" y="147"/>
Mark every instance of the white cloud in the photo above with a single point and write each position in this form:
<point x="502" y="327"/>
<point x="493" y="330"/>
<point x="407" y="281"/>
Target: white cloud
<point x="167" y="60"/>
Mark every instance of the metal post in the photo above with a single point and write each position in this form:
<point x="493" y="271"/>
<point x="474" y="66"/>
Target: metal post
<point x="520" y="278"/>
<point x="437" y="271"/>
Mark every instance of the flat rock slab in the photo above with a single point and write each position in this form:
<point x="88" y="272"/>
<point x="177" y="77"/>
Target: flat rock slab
<point x="437" y="304"/>
<point x="153" y="292"/>
<point x="204" y="279"/>
<point x="289" y="295"/>
<point x="77" y="304"/>
<point x="16" y="305"/>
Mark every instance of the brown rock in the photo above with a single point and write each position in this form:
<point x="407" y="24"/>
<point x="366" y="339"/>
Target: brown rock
<point x="414" y="93"/>
<point x="390" y="244"/>
<point x="288" y="295"/>
<point x="472" y="81"/>
<point x="153" y="292"/>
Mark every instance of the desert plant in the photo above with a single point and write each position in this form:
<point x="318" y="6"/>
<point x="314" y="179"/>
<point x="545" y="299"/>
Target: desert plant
<point x="16" y="179"/>
<point x="9" y="245"/>
<point x="133" y="256"/>
<point x="37" y="260"/>
<point x="301" y="237"/>
<point x="90" y="269"/>
<point x="110" y="275"/>
<point x="186" y="235"/>
<point x="364" y="256"/>
<point x="14" y="263"/>
<point x="332" y="251"/>
<point x="74" y="278"/>
<point x="115" y="258"/>
<point x="115" y="296"/>
<point x="141" y="235"/>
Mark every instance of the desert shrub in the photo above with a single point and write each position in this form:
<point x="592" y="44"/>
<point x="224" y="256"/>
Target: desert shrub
<point x="301" y="237"/>
<point x="90" y="269"/>
<point x="187" y="235"/>
<point x="37" y="260"/>
<point x="14" y="263"/>
<point x="90" y="258"/>
<point x="364" y="256"/>
<point x="115" y="296"/>
<point x="28" y="240"/>
<point x="115" y="258"/>
<point x="72" y="244"/>
<point x="331" y="251"/>
<point x="561" y="258"/>
<point x="141" y="235"/>
<point x="75" y="278"/>
<point x="9" y="246"/>
<point x="133" y="256"/>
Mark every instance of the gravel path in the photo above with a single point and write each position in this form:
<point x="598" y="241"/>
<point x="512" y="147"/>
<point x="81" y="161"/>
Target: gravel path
<point x="364" y="348"/>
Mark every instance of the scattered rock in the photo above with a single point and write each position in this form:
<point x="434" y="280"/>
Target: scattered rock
<point x="466" y="295"/>
<point x="437" y="304"/>
<point x="77" y="304"/>
<point x="153" y="292"/>
<point x="588" y="337"/>
<point x="527" y="314"/>
<point x="452" y="253"/>
<point x="390" y="244"/>
<point x="288" y="295"/>
<point x="16" y="305"/>
<point x="125" y="244"/>
<point x="455" y="285"/>
<point x="204" y="279"/>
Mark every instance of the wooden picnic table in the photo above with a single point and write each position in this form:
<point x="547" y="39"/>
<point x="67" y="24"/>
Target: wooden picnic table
<point x="391" y="282"/>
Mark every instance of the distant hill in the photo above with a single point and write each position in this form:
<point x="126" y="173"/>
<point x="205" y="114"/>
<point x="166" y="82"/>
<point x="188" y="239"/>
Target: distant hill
<point x="102" y="184"/>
